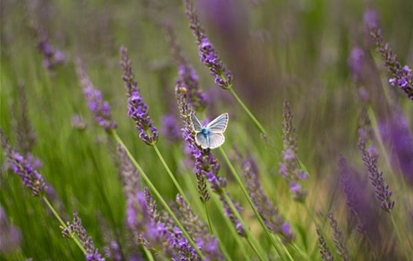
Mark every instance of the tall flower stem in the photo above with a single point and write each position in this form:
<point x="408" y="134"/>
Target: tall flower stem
<point x="249" y="236"/>
<point x="253" y="118"/>
<point x="157" y="194"/>
<point x="168" y="170"/>
<point x="208" y="218"/>
<point x="148" y="254"/>
<point x="49" y="205"/>
<point x="244" y="190"/>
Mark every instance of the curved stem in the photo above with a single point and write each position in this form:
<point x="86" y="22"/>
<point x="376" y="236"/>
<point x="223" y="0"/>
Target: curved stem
<point x="244" y="190"/>
<point x="256" y="122"/>
<point x="49" y="205"/>
<point x="157" y="194"/>
<point x="171" y="175"/>
<point x="148" y="254"/>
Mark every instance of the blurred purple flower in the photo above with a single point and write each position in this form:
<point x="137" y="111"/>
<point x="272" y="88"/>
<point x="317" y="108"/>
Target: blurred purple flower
<point x="230" y="214"/>
<point x="10" y="235"/>
<point x="170" y="128"/>
<point x="97" y="105"/>
<point x="22" y="167"/>
<point x="51" y="57"/>
<point x="355" y="62"/>
<point x="399" y="139"/>
<point x="209" y="56"/>
<point x="289" y="167"/>
<point x="401" y="75"/>
<point x="77" y="229"/>
<point x="137" y="108"/>
<point x="265" y="207"/>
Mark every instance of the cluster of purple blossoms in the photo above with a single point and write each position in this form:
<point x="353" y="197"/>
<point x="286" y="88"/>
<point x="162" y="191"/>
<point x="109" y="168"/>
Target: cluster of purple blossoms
<point x="382" y="190"/>
<point x="265" y="207"/>
<point x="289" y="167"/>
<point x="196" y="97"/>
<point x="206" y="165"/>
<point x="21" y="166"/>
<point x="137" y="108"/>
<point x="402" y="76"/>
<point x="97" y="105"/>
<point x="51" y="57"/>
<point x="76" y="229"/>
<point x="10" y="235"/>
<point x="209" y="56"/>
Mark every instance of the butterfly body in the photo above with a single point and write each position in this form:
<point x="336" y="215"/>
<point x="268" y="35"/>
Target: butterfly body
<point x="210" y="136"/>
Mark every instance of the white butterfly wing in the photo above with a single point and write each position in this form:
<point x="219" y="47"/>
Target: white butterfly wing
<point x="216" y="140"/>
<point x="219" y="125"/>
<point x="196" y="124"/>
<point x="202" y="140"/>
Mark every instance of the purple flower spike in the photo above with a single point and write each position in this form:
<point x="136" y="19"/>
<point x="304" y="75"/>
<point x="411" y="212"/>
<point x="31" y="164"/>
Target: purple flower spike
<point x="170" y="128"/>
<point x="382" y="190"/>
<point x="97" y="105"/>
<point x="209" y="56"/>
<point x="22" y="167"/>
<point x="289" y="167"/>
<point x="196" y="97"/>
<point x="322" y="245"/>
<point x="77" y="229"/>
<point x="137" y="108"/>
<point x="401" y="75"/>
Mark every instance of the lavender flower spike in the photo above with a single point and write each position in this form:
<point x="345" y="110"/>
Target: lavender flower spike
<point x="97" y="105"/>
<point x="137" y="108"/>
<point x="338" y="238"/>
<point x="77" y="229"/>
<point x="22" y="167"/>
<point x="197" y="98"/>
<point x="382" y="190"/>
<point x="289" y="168"/>
<point x="402" y="76"/>
<point x="208" y="54"/>
<point x="10" y="235"/>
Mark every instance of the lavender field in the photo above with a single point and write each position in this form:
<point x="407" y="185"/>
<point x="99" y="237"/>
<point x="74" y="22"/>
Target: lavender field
<point x="110" y="150"/>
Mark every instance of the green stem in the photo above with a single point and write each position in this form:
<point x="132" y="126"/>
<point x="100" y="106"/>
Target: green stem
<point x="63" y="224"/>
<point x="396" y="229"/>
<point x="256" y="122"/>
<point x="168" y="170"/>
<point x="244" y="190"/>
<point x="249" y="236"/>
<point x="208" y="218"/>
<point x="157" y="194"/>
<point x="148" y="254"/>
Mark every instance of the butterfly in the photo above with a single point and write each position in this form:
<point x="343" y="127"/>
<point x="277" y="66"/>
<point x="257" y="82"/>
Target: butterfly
<point x="210" y="136"/>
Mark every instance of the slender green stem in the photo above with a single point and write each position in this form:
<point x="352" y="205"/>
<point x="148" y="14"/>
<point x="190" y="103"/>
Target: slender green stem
<point x="244" y="190"/>
<point x="63" y="224"/>
<point x="171" y="175"/>
<point x="208" y="218"/>
<point x="256" y="122"/>
<point x="148" y="254"/>
<point x="249" y="236"/>
<point x="157" y="194"/>
<point x="396" y="229"/>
